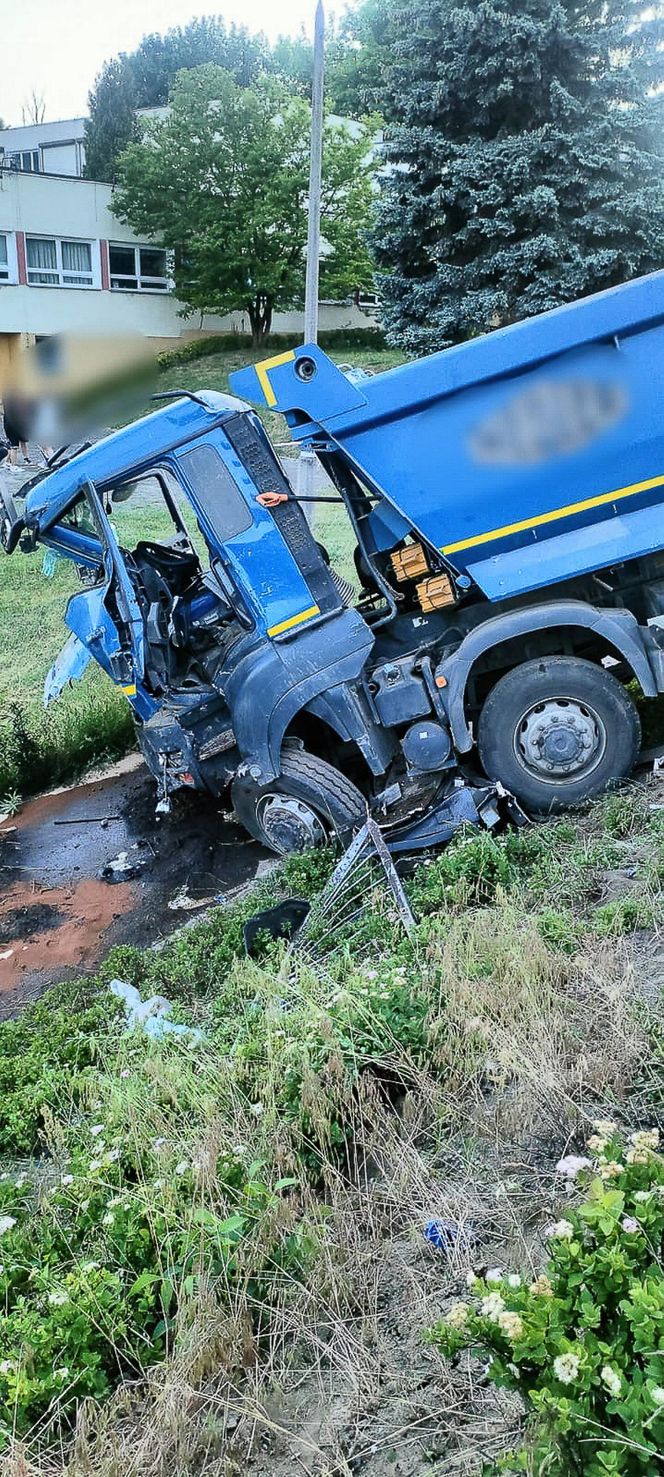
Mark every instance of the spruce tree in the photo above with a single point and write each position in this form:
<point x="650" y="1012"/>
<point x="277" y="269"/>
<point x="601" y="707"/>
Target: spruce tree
<point x="524" y="164"/>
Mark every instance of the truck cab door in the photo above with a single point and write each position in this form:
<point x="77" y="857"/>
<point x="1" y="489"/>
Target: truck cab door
<point x="119" y="597"/>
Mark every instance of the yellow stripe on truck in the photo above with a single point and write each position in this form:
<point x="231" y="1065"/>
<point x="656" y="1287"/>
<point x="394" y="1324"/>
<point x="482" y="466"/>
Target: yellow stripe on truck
<point x="129" y="689"/>
<point x="294" y="620"/>
<point x="262" y="372"/>
<point x="566" y="512"/>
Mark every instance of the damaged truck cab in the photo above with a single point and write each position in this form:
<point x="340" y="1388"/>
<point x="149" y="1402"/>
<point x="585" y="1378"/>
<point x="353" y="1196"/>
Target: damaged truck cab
<point x="506" y="499"/>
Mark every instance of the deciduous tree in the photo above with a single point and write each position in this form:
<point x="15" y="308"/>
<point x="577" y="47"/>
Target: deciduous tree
<point x="222" y="181"/>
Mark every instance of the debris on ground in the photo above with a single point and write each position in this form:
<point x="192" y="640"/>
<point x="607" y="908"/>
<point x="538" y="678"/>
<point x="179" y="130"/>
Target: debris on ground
<point x="447" y="1236"/>
<point x="183" y="903"/>
<point x="153" y="1015"/>
<point x="122" y="868"/>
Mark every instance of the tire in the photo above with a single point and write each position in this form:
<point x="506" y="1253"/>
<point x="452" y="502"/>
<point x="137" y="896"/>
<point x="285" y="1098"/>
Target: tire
<point x="319" y="803"/>
<point x="556" y="731"/>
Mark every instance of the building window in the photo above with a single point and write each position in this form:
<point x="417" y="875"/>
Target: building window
<point x="138" y="268"/>
<point x="52" y="262"/>
<point x="26" y="160"/>
<point x="8" y="264"/>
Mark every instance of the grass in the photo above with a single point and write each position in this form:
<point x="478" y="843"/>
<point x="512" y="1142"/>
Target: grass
<point x="91" y="720"/>
<point x="257" y="1201"/>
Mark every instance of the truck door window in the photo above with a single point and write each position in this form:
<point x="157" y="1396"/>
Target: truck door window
<point x="216" y="493"/>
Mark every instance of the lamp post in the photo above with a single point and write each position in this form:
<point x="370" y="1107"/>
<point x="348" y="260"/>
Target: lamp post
<point x="306" y="468"/>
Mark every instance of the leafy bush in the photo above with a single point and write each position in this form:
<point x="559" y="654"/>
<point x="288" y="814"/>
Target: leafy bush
<point x="559" y="929"/>
<point x="624" y="915"/>
<point x="108" y="1238"/>
<point x="332" y="339"/>
<point x="45" y="1059"/>
<point x="469" y="870"/>
<point x="582" y="1343"/>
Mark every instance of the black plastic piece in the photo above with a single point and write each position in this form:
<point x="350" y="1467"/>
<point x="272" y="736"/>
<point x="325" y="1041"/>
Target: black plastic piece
<point x="281" y="922"/>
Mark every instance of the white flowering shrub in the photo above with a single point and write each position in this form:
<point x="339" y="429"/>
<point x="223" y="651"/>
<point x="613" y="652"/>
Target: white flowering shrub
<point x="97" y="1258"/>
<point x="584" y="1342"/>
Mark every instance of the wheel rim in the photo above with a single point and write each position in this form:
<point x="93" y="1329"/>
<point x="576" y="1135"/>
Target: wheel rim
<point x="289" y="824"/>
<point x="560" y="739"/>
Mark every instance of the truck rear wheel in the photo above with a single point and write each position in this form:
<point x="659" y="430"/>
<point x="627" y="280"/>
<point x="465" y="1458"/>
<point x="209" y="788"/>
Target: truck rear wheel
<point x="557" y="730"/>
<point x="306" y="805"/>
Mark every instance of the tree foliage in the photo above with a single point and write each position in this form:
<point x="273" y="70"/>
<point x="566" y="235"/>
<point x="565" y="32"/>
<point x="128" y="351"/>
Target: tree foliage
<point x="143" y="79"/>
<point x="524" y="159"/>
<point x="223" y="181"/>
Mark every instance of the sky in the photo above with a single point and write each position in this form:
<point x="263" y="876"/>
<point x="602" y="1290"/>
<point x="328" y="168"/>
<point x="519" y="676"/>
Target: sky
<point x="56" y="47"/>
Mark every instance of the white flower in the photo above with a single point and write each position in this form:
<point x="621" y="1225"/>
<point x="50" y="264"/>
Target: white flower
<point x="636" y="1156"/>
<point x="572" y="1165"/>
<point x="514" y="1279"/>
<point x="257" y="1109"/>
<point x="657" y="1395"/>
<point x="645" y="1138"/>
<point x="492" y="1306"/>
<point x="471" y="1279"/>
<point x="239" y="1149"/>
<point x="96" y="1129"/>
<point x="112" y="1156"/>
<point x="158" y="1144"/>
<point x="630" y="1224"/>
<point x="7" y="1365"/>
<point x="611" y="1379"/>
<point x="57" y="1299"/>
<point x="563" y="1230"/>
<point x="182" y="1167"/>
<point x="510" y="1324"/>
<point x="457" y="1317"/>
<point x="21" y="1181"/>
<point x="641" y="1195"/>
<point x="158" y="1184"/>
<point x="371" y="974"/>
<point x="62" y="1372"/>
<point x="67" y="1179"/>
<point x="610" y="1169"/>
<point x="6" y="1223"/>
<point x="598" y="1143"/>
<point x="125" y="1073"/>
<point x="605" y="1125"/>
<point x="96" y="1164"/>
<point x="493" y="1275"/>
<point x="566" y="1368"/>
<point x="108" y="1219"/>
<point x="541" y="1287"/>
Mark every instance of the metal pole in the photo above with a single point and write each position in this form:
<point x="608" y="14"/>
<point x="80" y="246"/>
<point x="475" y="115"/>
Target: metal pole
<point x="307" y="462"/>
<point x="315" y="171"/>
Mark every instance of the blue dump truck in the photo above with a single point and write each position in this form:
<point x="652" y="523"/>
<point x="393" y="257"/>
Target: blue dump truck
<point x="506" y="498"/>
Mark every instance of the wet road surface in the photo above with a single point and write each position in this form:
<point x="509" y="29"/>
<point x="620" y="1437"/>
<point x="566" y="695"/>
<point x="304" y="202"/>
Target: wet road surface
<point x="59" y="915"/>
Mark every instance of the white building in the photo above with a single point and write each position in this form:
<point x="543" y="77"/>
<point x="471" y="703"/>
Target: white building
<point x="67" y="265"/>
<point x="45" y="148"/>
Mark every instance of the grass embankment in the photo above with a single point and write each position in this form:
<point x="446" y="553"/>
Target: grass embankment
<point x="222" y="1243"/>
<point x="91" y="720"/>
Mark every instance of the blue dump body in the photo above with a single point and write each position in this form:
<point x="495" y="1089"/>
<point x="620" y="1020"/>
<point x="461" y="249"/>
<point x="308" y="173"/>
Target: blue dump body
<point x="526" y="457"/>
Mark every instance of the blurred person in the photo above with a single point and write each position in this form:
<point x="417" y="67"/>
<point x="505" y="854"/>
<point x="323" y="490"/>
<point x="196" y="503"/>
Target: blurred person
<point x="17" y="416"/>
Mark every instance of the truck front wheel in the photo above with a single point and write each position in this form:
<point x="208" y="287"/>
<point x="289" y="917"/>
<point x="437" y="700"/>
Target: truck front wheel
<point x="308" y="804"/>
<point x="557" y="730"/>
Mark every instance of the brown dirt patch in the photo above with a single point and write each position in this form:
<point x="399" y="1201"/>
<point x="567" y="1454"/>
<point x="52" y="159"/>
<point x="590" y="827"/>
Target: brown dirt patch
<point x="56" y="927"/>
